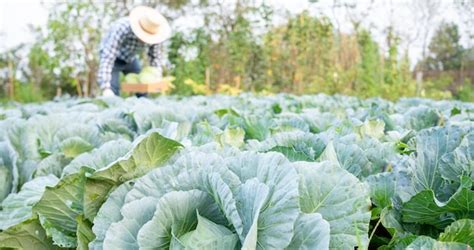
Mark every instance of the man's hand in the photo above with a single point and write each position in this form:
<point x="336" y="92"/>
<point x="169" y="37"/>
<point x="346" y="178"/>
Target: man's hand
<point x="107" y="92"/>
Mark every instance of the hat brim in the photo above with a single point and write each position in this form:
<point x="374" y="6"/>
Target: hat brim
<point x="163" y="34"/>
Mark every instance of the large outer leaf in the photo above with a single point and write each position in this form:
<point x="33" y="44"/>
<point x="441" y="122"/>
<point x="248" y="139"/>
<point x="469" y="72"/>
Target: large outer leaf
<point x="46" y="129"/>
<point x="431" y="145"/>
<point x="290" y="122"/>
<point x="251" y="197"/>
<point x="27" y="235"/>
<point x="257" y="127"/>
<point x="175" y="212"/>
<point x="381" y="155"/>
<point x="77" y="138"/>
<point x="425" y="242"/>
<point x="348" y="156"/>
<point x="292" y="153"/>
<point x="17" y="207"/>
<point x="100" y="157"/>
<point x="382" y="189"/>
<point x="150" y="152"/>
<point x="23" y="140"/>
<point x="52" y="164"/>
<point x="280" y="210"/>
<point x="59" y="207"/>
<point x="186" y="173"/>
<point x="296" y="146"/>
<point x="174" y="130"/>
<point x="115" y="127"/>
<point x="26" y="170"/>
<point x="340" y="198"/>
<point x="391" y="220"/>
<point x="218" y="189"/>
<point x="171" y="124"/>
<point x="311" y="232"/>
<point x="460" y="231"/>
<point x="400" y="242"/>
<point x="209" y="235"/>
<point x="460" y="161"/>
<point x="421" y="117"/>
<point x="109" y="213"/>
<point x="424" y="208"/>
<point x="8" y="170"/>
<point x="84" y="233"/>
<point x="123" y="234"/>
<point x="6" y="179"/>
<point x="74" y="146"/>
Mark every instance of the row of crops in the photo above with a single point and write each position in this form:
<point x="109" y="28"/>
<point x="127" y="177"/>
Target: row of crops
<point x="247" y="172"/>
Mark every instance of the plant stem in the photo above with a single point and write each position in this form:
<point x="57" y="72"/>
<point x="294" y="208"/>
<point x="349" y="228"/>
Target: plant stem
<point x="375" y="228"/>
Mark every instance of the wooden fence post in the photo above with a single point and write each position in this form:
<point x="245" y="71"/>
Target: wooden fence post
<point x="78" y="86"/>
<point x="419" y="82"/>
<point x="208" y="78"/>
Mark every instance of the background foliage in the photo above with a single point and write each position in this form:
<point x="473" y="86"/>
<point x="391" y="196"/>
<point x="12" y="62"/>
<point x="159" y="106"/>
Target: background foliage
<point x="239" y="48"/>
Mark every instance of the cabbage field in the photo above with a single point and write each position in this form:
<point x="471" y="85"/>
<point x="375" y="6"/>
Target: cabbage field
<point x="245" y="172"/>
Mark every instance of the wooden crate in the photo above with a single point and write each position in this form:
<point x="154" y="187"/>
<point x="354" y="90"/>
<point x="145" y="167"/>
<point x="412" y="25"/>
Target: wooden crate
<point x="145" y="88"/>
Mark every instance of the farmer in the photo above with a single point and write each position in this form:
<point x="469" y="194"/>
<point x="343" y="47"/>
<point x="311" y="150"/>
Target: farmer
<point x="145" y="28"/>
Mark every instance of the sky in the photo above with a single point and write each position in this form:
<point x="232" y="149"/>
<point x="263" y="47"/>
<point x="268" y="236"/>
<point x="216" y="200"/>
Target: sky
<point x="16" y="15"/>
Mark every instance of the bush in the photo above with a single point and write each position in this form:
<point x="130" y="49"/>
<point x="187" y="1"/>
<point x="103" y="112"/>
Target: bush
<point x="26" y="93"/>
<point x="465" y="93"/>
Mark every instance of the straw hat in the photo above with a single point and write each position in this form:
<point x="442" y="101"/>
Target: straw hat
<point x="149" y="25"/>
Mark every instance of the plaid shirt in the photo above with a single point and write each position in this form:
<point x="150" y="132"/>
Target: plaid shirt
<point x="121" y="43"/>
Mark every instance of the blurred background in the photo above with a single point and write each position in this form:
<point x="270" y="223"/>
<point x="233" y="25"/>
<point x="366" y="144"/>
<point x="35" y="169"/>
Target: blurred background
<point x="382" y="48"/>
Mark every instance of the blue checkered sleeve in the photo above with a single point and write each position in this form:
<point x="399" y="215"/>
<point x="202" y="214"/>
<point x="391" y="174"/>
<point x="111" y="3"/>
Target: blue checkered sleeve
<point x="154" y="55"/>
<point x="109" y="51"/>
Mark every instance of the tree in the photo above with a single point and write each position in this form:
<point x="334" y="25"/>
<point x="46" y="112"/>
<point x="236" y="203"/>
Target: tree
<point x="299" y="54"/>
<point x="9" y="62"/>
<point x="465" y="9"/>
<point x="68" y="49"/>
<point x="397" y="75"/>
<point x="370" y="74"/>
<point x="185" y="68"/>
<point x="224" y="52"/>
<point x="445" y="49"/>
<point x="425" y="11"/>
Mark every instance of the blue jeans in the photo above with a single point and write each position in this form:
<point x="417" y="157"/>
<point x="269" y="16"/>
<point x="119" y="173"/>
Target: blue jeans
<point x="126" y="68"/>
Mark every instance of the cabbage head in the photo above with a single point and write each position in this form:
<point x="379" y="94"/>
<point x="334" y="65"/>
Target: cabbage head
<point x="147" y="78"/>
<point x="245" y="200"/>
<point x="152" y="70"/>
<point x="132" y="78"/>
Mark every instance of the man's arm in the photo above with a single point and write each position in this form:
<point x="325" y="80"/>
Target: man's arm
<point x="108" y="54"/>
<point x="154" y="55"/>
